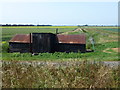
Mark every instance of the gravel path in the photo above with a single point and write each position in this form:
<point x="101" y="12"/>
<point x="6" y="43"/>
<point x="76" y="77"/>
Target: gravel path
<point x="112" y="64"/>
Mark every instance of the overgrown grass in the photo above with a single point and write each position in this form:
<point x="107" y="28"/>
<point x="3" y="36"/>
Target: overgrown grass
<point x="47" y="75"/>
<point x="98" y="54"/>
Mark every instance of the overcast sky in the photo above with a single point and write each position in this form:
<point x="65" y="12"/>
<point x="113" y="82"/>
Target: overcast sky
<point x="59" y="13"/>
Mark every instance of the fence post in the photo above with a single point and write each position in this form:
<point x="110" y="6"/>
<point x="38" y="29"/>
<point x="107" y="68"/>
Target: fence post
<point x="56" y="30"/>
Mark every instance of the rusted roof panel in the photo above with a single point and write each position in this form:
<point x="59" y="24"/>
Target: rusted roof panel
<point x="72" y="39"/>
<point x="21" y="38"/>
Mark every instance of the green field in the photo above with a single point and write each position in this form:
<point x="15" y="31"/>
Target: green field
<point x="8" y="32"/>
<point x="106" y="43"/>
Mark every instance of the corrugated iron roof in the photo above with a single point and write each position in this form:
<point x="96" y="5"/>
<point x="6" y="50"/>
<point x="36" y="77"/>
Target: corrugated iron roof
<point x="21" y="38"/>
<point x="72" y="39"/>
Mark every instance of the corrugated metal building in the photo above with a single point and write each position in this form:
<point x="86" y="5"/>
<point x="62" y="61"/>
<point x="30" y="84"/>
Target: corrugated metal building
<point x="20" y="43"/>
<point x="47" y="42"/>
<point x="71" y="43"/>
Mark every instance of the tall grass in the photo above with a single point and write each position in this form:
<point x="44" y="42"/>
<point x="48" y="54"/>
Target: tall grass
<point x="48" y="75"/>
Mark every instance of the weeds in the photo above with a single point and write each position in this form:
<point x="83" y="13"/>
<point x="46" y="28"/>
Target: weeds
<point x="75" y="75"/>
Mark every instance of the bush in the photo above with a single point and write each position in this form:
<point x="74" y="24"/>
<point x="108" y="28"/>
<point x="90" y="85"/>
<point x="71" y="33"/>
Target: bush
<point x="5" y="46"/>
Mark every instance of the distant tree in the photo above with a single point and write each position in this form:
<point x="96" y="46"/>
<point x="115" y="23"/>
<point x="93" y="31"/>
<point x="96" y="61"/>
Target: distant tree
<point x="14" y="25"/>
<point x="86" y="25"/>
<point x="79" y="26"/>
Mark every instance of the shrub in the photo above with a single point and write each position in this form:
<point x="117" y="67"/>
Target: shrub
<point x="5" y="46"/>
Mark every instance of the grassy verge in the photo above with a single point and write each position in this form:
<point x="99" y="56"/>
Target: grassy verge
<point x="98" y="54"/>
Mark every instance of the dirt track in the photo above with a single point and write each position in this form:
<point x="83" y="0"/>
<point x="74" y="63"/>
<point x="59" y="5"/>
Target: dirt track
<point x="75" y="30"/>
<point x="113" y="49"/>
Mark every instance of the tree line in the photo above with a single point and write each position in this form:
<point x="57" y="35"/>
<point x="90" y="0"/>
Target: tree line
<point x="22" y="25"/>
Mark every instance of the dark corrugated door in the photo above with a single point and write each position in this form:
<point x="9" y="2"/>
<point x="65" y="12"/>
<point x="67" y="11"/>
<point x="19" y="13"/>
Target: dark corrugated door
<point x="42" y="42"/>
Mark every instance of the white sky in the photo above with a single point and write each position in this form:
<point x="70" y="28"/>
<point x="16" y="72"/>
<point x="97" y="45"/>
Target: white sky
<point x="59" y="11"/>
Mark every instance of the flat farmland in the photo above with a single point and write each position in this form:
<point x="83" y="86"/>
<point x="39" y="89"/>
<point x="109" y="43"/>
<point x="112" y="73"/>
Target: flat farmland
<point x="105" y="38"/>
<point x="9" y="32"/>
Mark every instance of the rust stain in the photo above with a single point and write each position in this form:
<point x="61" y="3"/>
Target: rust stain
<point x="62" y="38"/>
<point x="21" y="38"/>
<point x="72" y="39"/>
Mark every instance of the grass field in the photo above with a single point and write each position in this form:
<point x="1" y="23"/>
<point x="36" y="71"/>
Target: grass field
<point x="7" y="33"/>
<point x="106" y="43"/>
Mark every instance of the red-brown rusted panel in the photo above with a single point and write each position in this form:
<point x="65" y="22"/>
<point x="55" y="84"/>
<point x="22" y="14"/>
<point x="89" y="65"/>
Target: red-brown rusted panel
<point x="72" y="39"/>
<point x="21" y="38"/>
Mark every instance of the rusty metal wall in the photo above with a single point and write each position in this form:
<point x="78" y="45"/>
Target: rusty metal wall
<point x="64" y="47"/>
<point x="43" y="42"/>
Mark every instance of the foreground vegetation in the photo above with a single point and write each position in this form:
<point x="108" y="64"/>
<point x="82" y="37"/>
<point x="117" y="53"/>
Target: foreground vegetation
<point x="17" y="74"/>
